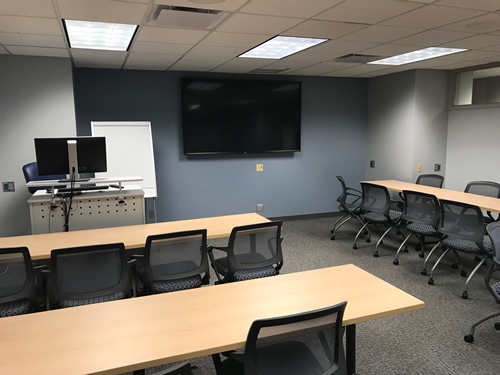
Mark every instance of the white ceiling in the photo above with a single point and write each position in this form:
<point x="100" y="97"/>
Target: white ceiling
<point x="373" y="27"/>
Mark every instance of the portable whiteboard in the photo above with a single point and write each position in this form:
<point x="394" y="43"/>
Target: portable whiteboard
<point x="129" y="151"/>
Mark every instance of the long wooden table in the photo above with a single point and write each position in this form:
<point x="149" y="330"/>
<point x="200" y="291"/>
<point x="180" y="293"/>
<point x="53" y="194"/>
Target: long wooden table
<point x="485" y="203"/>
<point x="133" y="236"/>
<point x="128" y="335"/>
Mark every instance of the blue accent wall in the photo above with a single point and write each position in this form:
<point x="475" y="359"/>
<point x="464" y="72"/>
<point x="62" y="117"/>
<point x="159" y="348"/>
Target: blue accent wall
<point x="334" y="140"/>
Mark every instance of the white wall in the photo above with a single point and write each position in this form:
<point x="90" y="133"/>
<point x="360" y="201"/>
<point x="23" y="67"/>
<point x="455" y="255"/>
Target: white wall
<point x="473" y="152"/>
<point x="36" y="100"/>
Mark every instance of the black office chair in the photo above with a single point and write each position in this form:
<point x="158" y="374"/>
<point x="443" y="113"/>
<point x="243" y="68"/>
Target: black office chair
<point x="253" y="251"/>
<point x="181" y="369"/>
<point x="17" y="282"/>
<point x="486" y="188"/>
<point x="30" y="172"/>
<point x="433" y="180"/>
<point x="421" y="218"/>
<point x="89" y="274"/>
<point x="493" y="230"/>
<point x="349" y="202"/>
<point x="463" y="230"/>
<point x="376" y="208"/>
<point x="307" y="343"/>
<point x="174" y="261"/>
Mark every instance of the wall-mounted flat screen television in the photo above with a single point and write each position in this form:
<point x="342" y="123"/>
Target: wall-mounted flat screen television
<point x="240" y="116"/>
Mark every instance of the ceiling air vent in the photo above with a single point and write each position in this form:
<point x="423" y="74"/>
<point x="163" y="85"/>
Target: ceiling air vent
<point x="173" y="16"/>
<point x="268" y="71"/>
<point x="356" y="59"/>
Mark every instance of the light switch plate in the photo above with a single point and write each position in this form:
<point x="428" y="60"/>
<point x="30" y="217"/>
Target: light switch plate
<point x="8" y="186"/>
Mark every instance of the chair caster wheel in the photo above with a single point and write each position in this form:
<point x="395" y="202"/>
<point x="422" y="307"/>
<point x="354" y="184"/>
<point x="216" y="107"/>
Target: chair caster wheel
<point x="423" y="272"/>
<point x="431" y="281"/>
<point x="497" y="326"/>
<point x="454" y="266"/>
<point x="332" y="231"/>
<point x="354" y="247"/>
<point x="395" y="262"/>
<point x="421" y="255"/>
<point x="332" y="237"/>
<point x="463" y="273"/>
<point x="465" y="295"/>
<point x="375" y="255"/>
<point x="368" y="240"/>
<point x="469" y="338"/>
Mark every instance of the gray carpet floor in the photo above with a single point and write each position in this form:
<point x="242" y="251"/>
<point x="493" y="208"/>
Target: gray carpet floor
<point x="429" y="341"/>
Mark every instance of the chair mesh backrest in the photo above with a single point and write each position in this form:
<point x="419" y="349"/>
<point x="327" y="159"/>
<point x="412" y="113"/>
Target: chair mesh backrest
<point x="486" y="188"/>
<point x="376" y="198"/>
<point x="176" y="255"/>
<point x="421" y="208"/>
<point x="343" y="195"/>
<point x="255" y="245"/>
<point x="12" y="274"/>
<point x="433" y="180"/>
<point x="494" y="233"/>
<point x="463" y="221"/>
<point x="314" y="337"/>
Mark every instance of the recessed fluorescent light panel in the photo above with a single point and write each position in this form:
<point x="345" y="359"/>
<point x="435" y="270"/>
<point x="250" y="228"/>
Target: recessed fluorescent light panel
<point x="422" y="54"/>
<point x="99" y="35"/>
<point x="282" y="46"/>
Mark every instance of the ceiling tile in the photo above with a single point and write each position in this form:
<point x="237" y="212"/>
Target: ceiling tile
<point x="489" y="5"/>
<point x="32" y="40"/>
<point x="30" y="25"/>
<point x="321" y="68"/>
<point x="471" y="55"/>
<point x="432" y="38"/>
<point x="218" y="38"/>
<point x="103" y="11"/>
<point x="101" y="56"/>
<point x="92" y="63"/>
<point x="313" y="57"/>
<point x="227" y="5"/>
<point x="287" y="8"/>
<point x="196" y="64"/>
<point x="37" y="51"/>
<point x="381" y="34"/>
<point x="149" y="61"/>
<point x="459" y="65"/>
<point x="242" y="65"/>
<point x="288" y="64"/>
<point x="323" y="29"/>
<point x="168" y="35"/>
<point x="369" y="12"/>
<point x="432" y="16"/>
<point x="206" y="51"/>
<point x="168" y="48"/>
<point x="3" y="51"/>
<point x="475" y="42"/>
<point x="492" y="48"/>
<point x="33" y="8"/>
<point x="343" y="47"/>
<point x="257" y="24"/>
<point x="429" y="64"/>
<point x="482" y="24"/>
<point x="363" y="68"/>
<point x="388" y="50"/>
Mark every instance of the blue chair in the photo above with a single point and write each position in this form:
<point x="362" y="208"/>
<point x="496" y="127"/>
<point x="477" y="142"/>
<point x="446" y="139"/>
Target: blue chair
<point x="30" y="172"/>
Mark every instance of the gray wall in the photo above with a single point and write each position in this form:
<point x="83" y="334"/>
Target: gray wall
<point x="333" y="142"/>
<point x="36" y="100"/>
<point x="472" y="151"/>
<point x="407" y="124"/>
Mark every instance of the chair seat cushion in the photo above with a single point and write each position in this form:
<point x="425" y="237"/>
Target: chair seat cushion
<point x="468" y="246"/>
<point x="376" y="217"/>
<point x="19" y="307"/>
<point x="91" y="300"/>
<point x="165" y="286"/>
<point x="222" y="265"/>
<point x="425" y="229"/>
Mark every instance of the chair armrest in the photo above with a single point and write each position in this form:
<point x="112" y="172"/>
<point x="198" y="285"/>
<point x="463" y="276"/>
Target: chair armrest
<point x="355" y="192"/>
<point x="40" y="268"/>
<point x="212" y="261"/>
<point x="222" y="248"/>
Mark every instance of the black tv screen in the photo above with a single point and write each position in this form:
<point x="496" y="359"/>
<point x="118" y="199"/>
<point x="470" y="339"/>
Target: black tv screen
<point x="240" y="116"/>
<point x="52" y="155"/>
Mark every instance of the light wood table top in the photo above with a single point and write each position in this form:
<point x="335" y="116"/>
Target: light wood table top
<point x="485" y="203"/>
<point x="126" y="335"/>
<point x="133" y="236"/>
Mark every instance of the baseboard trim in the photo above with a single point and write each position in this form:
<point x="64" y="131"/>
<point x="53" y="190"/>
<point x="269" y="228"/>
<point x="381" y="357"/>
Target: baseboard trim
<point x="307" y="216"/>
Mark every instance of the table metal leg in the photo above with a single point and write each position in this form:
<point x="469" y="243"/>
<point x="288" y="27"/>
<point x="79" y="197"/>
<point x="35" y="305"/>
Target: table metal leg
<point x="350" y="343"/>
<point x="139" y="372"/>
<point x="217" y="363"/>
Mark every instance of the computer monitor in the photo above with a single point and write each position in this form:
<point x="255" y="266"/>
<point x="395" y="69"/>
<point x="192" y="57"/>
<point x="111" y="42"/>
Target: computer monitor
<point x="52" y="155"/>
